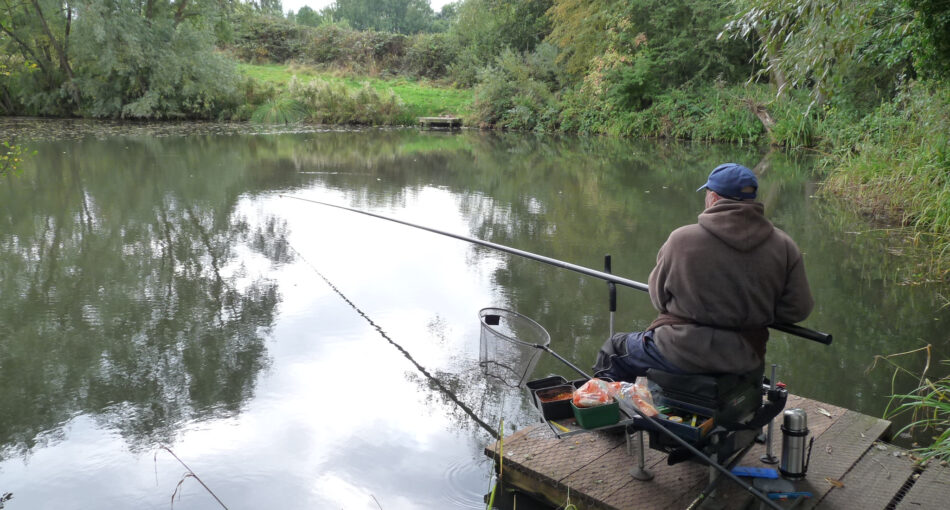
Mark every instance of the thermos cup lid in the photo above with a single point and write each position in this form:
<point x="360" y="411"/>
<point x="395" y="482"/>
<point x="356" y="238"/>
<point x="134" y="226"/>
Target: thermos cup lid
<point x="795" y="419"/>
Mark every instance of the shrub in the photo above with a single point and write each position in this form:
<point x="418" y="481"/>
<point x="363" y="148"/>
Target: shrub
<point x="268" y="39"/>
<point x="517" y="91"/>
<point x="429" y="55"/>
<point x="333" y="103"/>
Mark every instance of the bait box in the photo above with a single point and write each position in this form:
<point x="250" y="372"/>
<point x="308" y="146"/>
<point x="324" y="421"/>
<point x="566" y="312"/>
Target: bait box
<point x="554" y="409"/>
<point x="547" y="382"/>
<point x="597" y="416"/>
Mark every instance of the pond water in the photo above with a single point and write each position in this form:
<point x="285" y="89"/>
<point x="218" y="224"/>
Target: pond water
<point x="165" y="300"/>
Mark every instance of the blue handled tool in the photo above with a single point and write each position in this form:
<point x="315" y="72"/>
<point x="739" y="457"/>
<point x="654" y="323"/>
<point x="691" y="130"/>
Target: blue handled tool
<point x="755" y="472"/>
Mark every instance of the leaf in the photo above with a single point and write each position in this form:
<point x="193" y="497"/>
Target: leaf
<point x="836" y="483"/>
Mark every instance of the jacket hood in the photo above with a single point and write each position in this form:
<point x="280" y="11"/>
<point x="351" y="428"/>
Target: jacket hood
<point x="740" y="224"/>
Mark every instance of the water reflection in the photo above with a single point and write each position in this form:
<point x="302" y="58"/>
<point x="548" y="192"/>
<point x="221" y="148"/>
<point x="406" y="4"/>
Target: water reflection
<point x="159" y="290"/>
<point x="125" y="292"/>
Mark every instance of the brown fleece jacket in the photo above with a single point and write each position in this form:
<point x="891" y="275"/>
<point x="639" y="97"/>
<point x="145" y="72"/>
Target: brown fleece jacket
<point x="732" y="272"/>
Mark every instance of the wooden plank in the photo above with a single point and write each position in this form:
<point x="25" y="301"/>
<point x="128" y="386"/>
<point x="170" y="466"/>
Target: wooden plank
<point x="840" y="440"/>
<point x="873" y="481"/>
<point x="931" y="490"/>
<point x="671" y="486"/>
<point x="838" y="449"/>
<point x="538" y="451"/>
<point x="596" y="466"/>
<point x="731" y="494"/>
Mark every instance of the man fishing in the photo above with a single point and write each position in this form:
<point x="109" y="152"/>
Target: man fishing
<point x="718" y="284"/>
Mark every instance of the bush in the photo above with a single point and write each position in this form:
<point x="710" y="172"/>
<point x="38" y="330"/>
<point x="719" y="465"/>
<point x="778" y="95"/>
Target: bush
<point x="268" y="39"/>
<point x="333" y="103"/>
<point x="517" y="92"/>
<point x="429" y="55"/>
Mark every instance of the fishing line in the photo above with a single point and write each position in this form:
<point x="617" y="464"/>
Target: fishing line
<point x="400" y="348"/>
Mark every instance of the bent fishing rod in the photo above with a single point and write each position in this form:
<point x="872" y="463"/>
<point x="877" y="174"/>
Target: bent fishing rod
<point x="792" y="329"/>
<point x="630" y="410"/>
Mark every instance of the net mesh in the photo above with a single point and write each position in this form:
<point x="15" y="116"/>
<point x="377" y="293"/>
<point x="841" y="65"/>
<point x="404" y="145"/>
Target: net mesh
<point x="510" y="345"/>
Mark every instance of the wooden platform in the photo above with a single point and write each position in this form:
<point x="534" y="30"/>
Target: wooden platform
<point x="848" y="449"/>
<point x="440" y="122"/>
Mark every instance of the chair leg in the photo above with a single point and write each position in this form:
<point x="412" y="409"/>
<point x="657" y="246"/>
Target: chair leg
<point x="639" y="472"/>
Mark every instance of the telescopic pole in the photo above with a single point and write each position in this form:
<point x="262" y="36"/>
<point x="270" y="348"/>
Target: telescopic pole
<point x="792" y="329"/>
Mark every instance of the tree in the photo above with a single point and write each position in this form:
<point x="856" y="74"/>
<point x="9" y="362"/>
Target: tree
<point x="39" y="31"/>
<point x="484" y="28"/>
<point x="629" y="51"/>
<point x="815" y="44"/>
<point x="932" y="35"/>
<point x="396" y="16"/>
<point x="271" y="8"/>
<point x="161" y="65"/>
<point x="141" y="58"/>
<point x="307" y="16"/>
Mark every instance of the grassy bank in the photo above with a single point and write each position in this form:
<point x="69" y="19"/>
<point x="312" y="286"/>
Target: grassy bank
<point x="350" y="99"/>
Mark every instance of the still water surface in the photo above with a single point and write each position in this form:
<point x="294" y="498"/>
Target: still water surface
<point x="162" y="291"/>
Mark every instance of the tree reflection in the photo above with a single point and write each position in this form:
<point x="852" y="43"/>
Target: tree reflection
<point x="121" y="291"/>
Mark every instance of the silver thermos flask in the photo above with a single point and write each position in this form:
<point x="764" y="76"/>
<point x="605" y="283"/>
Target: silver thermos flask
<point x="794" y="439"/>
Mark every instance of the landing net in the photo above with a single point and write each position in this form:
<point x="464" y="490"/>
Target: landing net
<point x="510" y="345"/>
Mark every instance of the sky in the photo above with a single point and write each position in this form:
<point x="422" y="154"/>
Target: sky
<point x="316" y="5"/>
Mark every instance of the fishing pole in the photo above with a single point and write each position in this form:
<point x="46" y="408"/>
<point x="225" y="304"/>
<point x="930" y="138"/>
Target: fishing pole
<point x="630" y="410"/>
<point x="792" y="329"/>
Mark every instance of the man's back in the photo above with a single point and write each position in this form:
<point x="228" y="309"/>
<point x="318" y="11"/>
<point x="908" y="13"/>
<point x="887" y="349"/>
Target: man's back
<point x="730" y="273"/>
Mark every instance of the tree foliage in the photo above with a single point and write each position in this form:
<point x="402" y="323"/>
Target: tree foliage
<point x="485" y="28"/>
<point x="397" y="16"/>
<point x="817" y="44"/>
<point x="307" y="16"/>
<point x="164" y="66"/>
<point x="105" y="58"/>
<point x="37" y="31"/>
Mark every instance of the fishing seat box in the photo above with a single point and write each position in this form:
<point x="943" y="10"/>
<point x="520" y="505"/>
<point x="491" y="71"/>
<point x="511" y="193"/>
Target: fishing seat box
<point x="734" y="402"/>
<point x="729" y="399"/>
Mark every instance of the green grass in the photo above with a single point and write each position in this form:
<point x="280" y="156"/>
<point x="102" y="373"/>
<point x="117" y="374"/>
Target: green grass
<point x="421" y="99"/>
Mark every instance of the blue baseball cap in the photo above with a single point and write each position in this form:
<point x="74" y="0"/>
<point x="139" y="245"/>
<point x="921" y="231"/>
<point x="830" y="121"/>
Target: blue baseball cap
<point x="728" y="179"/>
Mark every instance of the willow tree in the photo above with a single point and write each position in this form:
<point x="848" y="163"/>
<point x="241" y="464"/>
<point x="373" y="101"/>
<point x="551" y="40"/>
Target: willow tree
<point x="152" y="59"/>
<point x="38" y="32"/>
<point x="817" y="44"/>
<point x="115" y="58"/>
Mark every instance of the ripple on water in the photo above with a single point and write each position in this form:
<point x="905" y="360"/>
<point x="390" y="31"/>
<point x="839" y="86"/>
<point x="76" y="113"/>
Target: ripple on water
<point x="464" y="478"/>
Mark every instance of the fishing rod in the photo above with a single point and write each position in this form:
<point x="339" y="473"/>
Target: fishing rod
<point x="792" y="329"/>
<point x="630" y="410"/>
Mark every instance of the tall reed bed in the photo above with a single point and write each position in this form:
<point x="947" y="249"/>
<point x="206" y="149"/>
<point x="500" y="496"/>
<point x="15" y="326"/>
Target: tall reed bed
<point x="894" y="164"/>
<point x="325" y="102"/>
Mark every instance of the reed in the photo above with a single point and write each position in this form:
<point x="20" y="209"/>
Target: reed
<point x="334" y="102"/>
<point x="931" y="402"/>
<point x="928" y="405"/>
<point x="892" y="167"/>
<point x="281" y="110"/>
